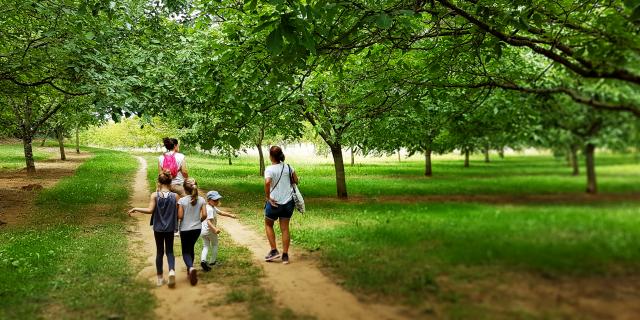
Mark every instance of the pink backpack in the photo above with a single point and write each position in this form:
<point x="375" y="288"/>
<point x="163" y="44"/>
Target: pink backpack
<point x="169" y="163"/>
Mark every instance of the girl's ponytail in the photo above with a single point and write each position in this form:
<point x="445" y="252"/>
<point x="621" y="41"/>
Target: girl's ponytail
<point x="191" y="187"/>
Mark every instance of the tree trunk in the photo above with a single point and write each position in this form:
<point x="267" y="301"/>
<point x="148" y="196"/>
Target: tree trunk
<point x="60" y="137"/>
<point x="486" y="155"/>
<point x="353" y="157"/>
<point x="338" y="162"/>
<point x="591" y="168"/>
<point x="230" y="163"/>
<point x="466" y="158"/>
<point x="427" y="162"/>
<point x="258" y="141"/>
<point x="43" y="140"/>
<point x="77" y="139"/>
<point x="574" y="161"/>
<point x="501" y="153"/>
<point x="28" y="153"/>
<point x="27" y="137"/>
<point x="399" y="155"/>
<point x="261" y="155"/>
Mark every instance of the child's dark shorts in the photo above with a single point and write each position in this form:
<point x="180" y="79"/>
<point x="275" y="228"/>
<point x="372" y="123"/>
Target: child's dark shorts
<point x="282" y="211"/>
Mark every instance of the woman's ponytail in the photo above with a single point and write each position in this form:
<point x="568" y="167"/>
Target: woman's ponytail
<point x="276" y="153"/>
<point x="168" y="143"/>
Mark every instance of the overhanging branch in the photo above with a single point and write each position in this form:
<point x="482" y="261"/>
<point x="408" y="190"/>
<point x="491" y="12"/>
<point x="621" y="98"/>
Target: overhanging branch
<point x="573" y="94"/>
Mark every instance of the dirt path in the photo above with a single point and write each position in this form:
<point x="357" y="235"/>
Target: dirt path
<point x="184" y="301"/>
<point x="16" y="186"/>
<point x="302" y="287"/>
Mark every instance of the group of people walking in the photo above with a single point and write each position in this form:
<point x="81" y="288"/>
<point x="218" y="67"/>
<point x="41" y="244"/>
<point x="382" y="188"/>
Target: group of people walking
<point x="176" y="208"/>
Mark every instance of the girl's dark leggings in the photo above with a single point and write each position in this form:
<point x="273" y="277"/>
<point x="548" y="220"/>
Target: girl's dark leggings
<point x="188" y="240"/>
<point x="164" y="242"/>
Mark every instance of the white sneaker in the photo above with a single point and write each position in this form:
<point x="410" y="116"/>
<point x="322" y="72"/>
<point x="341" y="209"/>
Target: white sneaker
<point x="160" y="282"/>
<point x="172" y="279"/>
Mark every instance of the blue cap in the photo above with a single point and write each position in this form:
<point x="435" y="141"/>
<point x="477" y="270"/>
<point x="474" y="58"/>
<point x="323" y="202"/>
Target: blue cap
<point x="213" y="195"/>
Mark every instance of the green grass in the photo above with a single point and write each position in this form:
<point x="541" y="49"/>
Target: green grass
<point x="70" y="260"/>
<point x="12" y="156"/>
<point x="398" y="250"/>
<point x="517" y="175"/>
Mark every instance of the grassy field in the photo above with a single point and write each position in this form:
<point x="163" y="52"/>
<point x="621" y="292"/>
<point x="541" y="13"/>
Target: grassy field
<point x="389" y="242"/>
<point x="12" y="156"/>
<point x="69" y="260"/>
<point x="515" y="176"/>
<point x="400" y="249"/>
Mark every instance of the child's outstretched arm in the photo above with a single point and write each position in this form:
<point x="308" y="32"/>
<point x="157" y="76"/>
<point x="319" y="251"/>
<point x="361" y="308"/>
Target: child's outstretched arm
<point x="149" y="209"/>
<point x="227" y="214"/>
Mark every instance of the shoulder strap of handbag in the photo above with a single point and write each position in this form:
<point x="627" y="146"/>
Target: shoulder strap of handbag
<point x="279" y="178"/>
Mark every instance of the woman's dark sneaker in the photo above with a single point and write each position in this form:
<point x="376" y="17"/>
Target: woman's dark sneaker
<point x="205" y="266"/>
<point x="273" y="254"/>
<point x="213" y="263"/>
<point x="285" y="258"/>
<point x="193" y="276"/>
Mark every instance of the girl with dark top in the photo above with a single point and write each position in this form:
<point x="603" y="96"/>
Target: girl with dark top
<point x="191" y="213"/>
<point x="164" y="210"/>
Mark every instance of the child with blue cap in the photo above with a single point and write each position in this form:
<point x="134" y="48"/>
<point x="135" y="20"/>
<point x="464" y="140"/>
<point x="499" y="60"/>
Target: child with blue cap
<point x="210" y="230"/>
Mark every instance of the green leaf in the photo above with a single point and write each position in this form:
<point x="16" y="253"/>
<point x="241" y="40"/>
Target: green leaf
<point x="89" y="35"/>
<point x="435" y="68"/>
<point x="537" y="19"/>
<point x="83" y="8"/>
<point x="631" y="4"/>
<point x="235" y="142"/>
<point x="635" y="15"/>
<point x="264" y="26"/>
<point x="274" y="41"/>
<point x="383" y="21"/>
<point x="497" y="48"/>
<point x="252" y="5"/>
<point x="406" y="12"/>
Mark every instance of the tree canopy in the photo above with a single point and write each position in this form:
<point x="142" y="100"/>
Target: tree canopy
<point x="427" y="76"/>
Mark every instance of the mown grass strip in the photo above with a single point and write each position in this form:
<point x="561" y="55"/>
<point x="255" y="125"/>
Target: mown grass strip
<point x="12" y="156"/>
<point x="397" y="250"/>
<point x="70" y="259"/>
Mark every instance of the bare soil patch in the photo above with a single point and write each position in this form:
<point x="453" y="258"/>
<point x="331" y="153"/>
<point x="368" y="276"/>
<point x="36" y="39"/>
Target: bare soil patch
<point x="17" y="188"/>
<point x="594" y="297"/>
